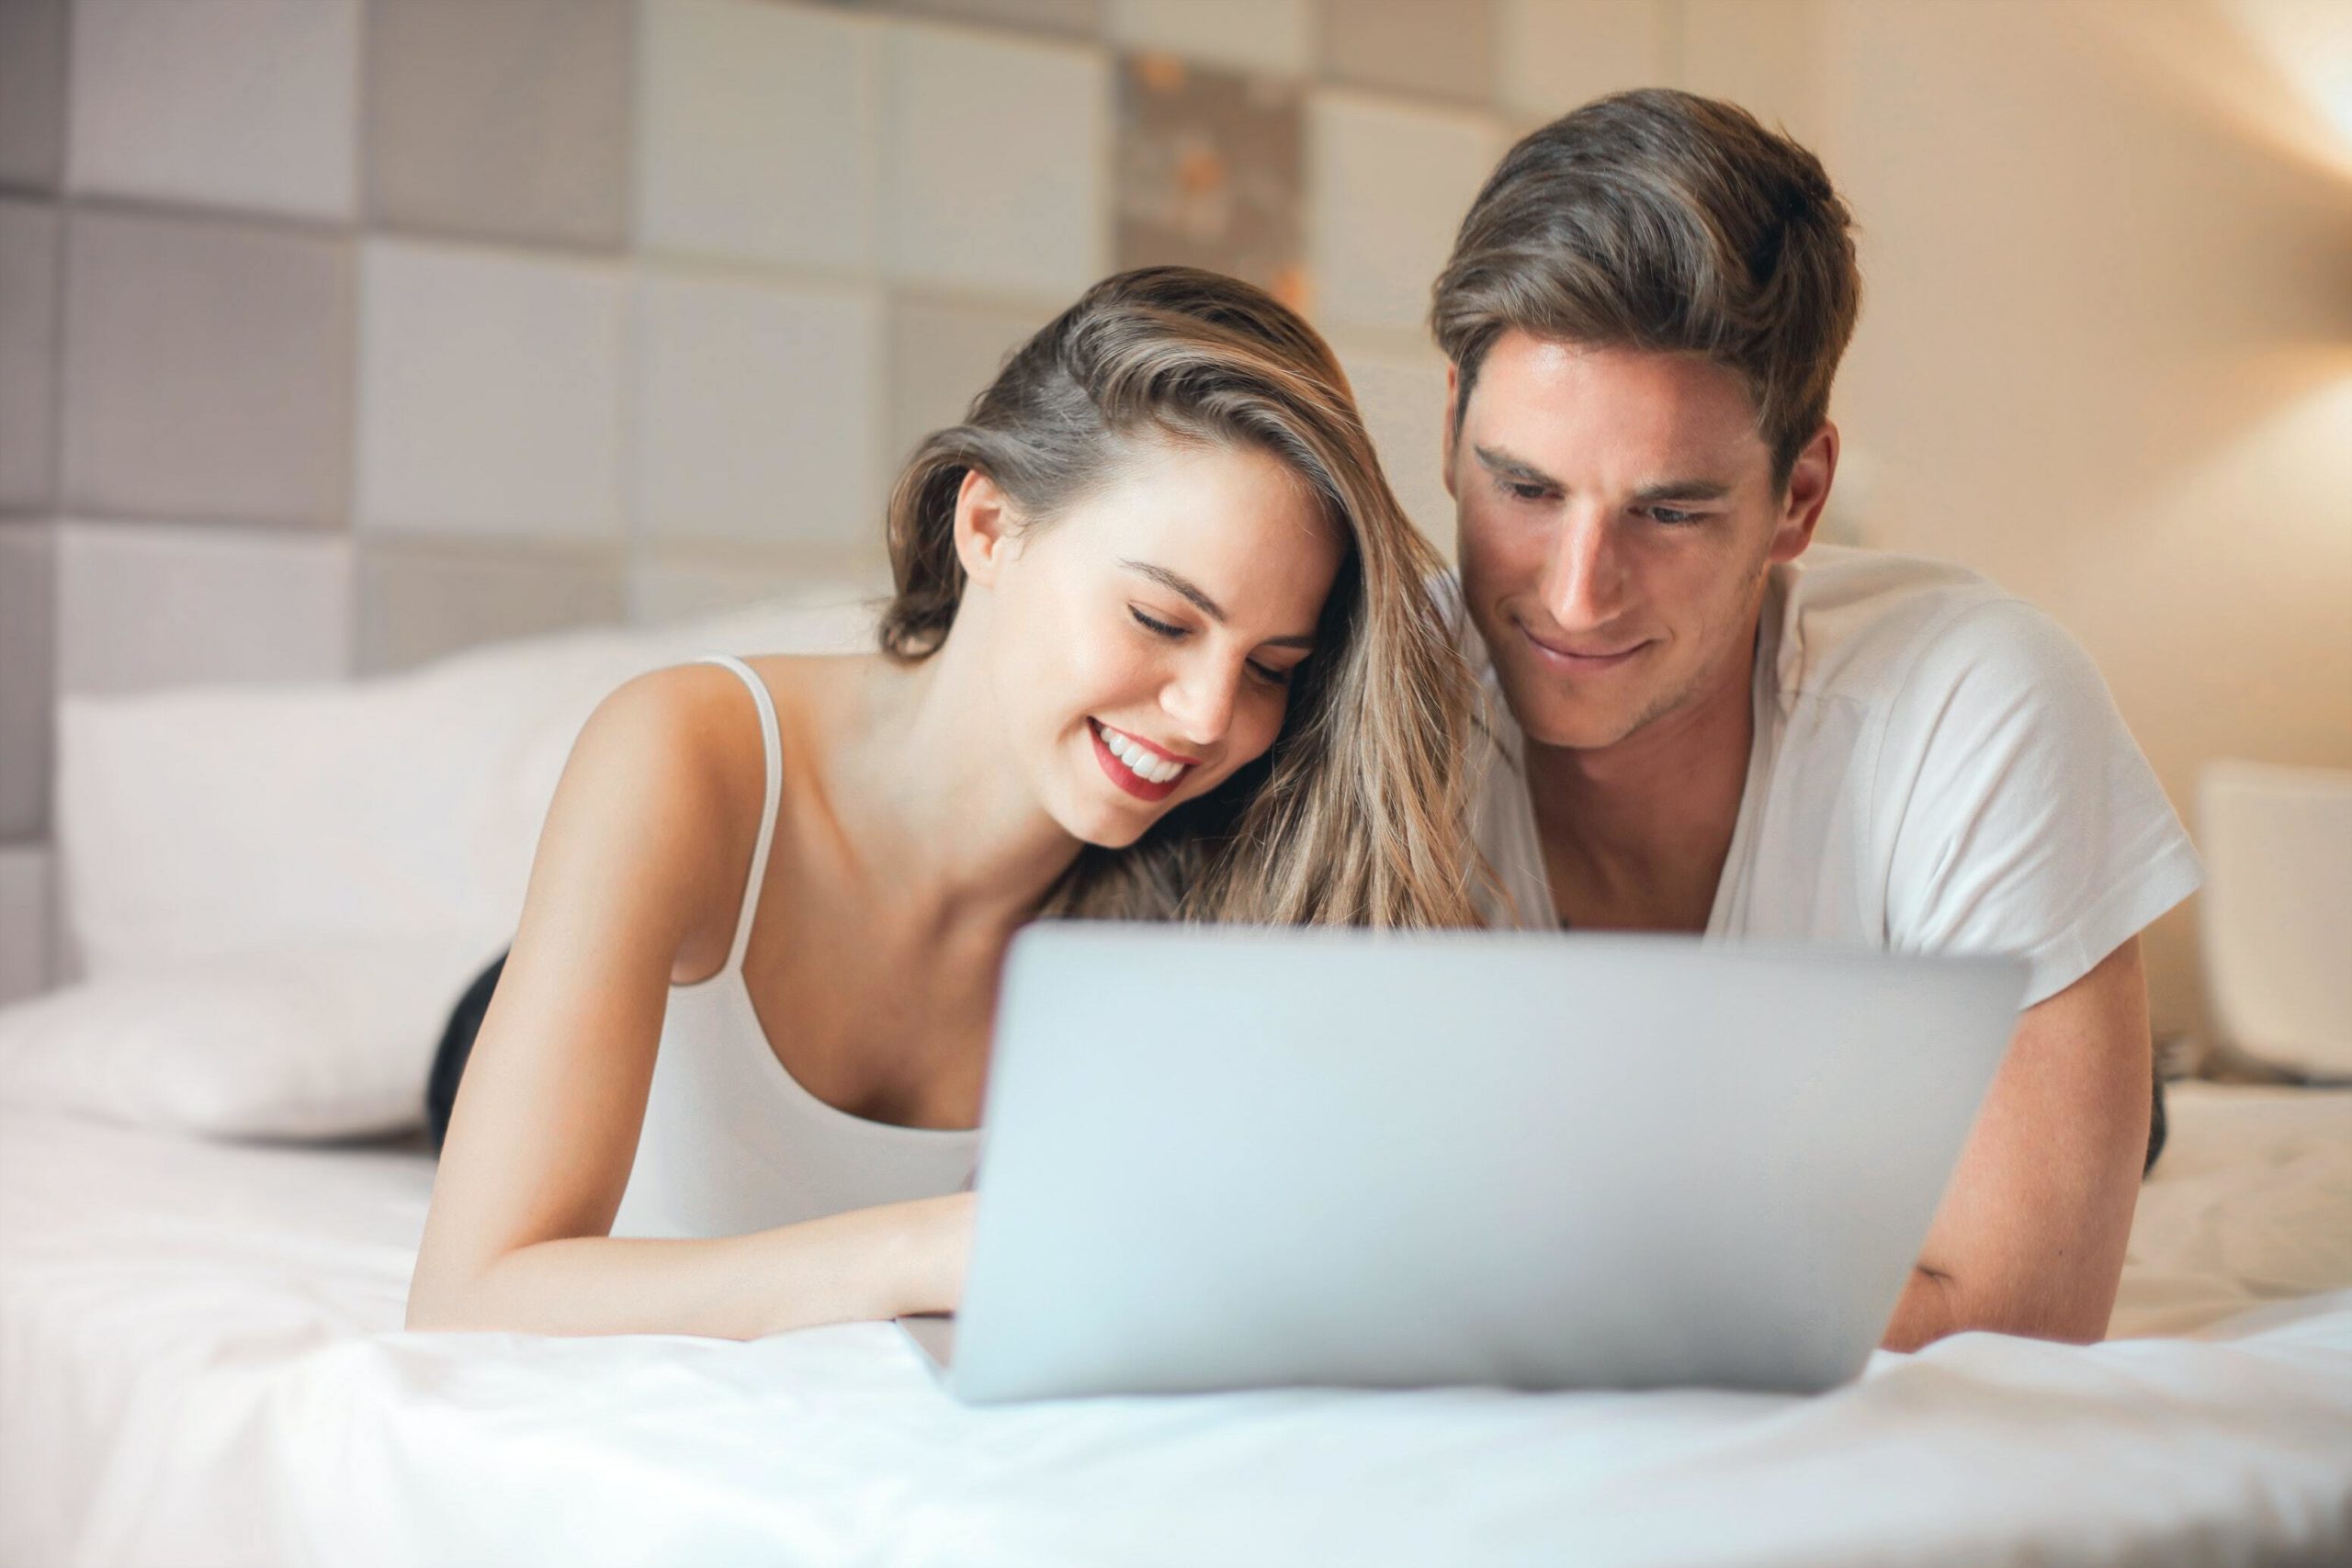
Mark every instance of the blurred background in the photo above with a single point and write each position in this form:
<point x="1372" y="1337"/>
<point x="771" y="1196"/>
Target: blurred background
<point x="336" y="335"/>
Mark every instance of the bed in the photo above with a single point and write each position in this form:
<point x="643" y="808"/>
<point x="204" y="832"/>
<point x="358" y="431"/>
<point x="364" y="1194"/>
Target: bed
<point x="274" y="894"/>
<point x="200" y="1364"/>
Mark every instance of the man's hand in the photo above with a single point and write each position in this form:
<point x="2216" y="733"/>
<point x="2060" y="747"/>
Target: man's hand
<point x="2030" y="1237"/>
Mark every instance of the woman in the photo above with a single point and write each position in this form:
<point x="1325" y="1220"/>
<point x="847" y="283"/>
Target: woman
<point x="1160" y="650"/>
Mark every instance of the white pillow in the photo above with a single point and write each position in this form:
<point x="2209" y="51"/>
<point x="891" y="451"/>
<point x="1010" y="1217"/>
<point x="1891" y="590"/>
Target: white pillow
<point x="307" y="1042"/>
<point x="217" y="820"/>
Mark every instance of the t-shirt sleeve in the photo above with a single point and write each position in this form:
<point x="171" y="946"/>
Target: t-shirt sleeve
<point x="2021" y="817"/>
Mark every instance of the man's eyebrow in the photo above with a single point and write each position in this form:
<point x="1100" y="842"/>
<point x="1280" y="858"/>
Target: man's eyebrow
<point x="1179" y="584"/>
<point x="1683" y="489"/>
<point x="1524" y="472"/>
<point x="1512" y="468"/>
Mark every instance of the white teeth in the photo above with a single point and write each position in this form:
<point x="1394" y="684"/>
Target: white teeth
<point x="1144" y="763"/>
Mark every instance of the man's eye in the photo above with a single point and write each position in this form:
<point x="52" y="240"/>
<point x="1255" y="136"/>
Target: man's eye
<point x="1667" y="515"/>
<point x="1529" y="492"/>
<point x="1159" y="627"/>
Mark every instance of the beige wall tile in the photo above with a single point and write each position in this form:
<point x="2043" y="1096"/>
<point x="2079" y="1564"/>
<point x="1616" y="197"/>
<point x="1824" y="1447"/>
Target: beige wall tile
<point x="1211" y="172"/>
<point x="759" y="410"/>
<point x="420" y="599"/>
<point x="1554" y="55"/>
<point x="1412" y="46"/>
<point x="31" y="236"/>
<point x="1249" y="35"/>
<point x="491" y="391"/>
<point x="758" y="133"/>
<point x="942" y="355"/>
<point x="1022" y="209"/>
<point x="1402" y="395"/>
<point x="141" y="606"/>
<point x="1081" y="18"/>
<point x="509" y="120"/>
<point x="208" y="369"/>
<point x="229" y="103"/>
<point x="1389" y="184"/>
<point x="24" y="920"/>
<point x="28" y="676"/>
<point x="32" y="93"/>
<point x="1761" y="55"/>
<point x="677" y="585"/>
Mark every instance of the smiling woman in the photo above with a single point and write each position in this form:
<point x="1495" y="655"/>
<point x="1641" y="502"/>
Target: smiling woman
<point x="1177" y="402"/>
<point x="1160" y="649"/>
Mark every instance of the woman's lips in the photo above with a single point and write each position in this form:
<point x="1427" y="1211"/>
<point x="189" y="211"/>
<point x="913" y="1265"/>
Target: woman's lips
<point x="1572" y="661"/>
<point x="1125" y="777"/>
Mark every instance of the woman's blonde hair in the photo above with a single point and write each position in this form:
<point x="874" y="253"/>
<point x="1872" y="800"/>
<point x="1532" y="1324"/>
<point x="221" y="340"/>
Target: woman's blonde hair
<point x="1356" y="814"/>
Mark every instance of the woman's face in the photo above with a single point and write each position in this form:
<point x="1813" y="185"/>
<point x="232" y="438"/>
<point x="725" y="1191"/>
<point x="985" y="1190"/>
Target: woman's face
<point x="1142" y="642"/>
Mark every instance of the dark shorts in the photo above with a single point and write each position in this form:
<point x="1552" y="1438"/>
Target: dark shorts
<point x="457" y="1044"/>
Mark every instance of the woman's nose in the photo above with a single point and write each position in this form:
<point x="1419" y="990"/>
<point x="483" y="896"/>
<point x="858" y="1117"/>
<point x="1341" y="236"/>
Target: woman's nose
<point x="1199" y="701"/>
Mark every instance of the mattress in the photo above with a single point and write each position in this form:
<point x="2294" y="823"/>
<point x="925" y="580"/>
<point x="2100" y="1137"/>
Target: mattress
<point x="200" y="1364"/>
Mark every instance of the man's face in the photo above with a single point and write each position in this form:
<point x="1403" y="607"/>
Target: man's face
<point x="1617" y="517"/>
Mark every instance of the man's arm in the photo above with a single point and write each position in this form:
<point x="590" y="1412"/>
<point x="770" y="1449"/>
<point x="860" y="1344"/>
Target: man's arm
<point x="2030" y="1235"/>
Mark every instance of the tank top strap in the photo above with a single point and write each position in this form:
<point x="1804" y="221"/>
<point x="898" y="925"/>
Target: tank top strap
<point x="772" y="742"/>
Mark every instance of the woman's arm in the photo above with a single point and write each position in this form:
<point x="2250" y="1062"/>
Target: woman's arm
<point x="653" y="821"/>
<point x="868" y="1264"/>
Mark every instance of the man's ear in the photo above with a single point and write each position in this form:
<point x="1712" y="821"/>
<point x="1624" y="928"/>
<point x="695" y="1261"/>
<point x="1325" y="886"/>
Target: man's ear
<point x="985" y="526"/>
<point x="1808" y="492"/>
<point x="1446" y="432"/>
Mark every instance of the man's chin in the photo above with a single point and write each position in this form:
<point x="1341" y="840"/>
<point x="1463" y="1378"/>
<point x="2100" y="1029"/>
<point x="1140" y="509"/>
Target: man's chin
<point x="1579" y="732"/>
<point x="1566" y="725"/>
<point x="1578" y="738"/>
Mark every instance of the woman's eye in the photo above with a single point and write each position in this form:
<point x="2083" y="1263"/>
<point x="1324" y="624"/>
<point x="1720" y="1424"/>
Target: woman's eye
<point x="1529" y="492"/>
<point x="1157" y="627"/>
<point x="1269" y="674"/>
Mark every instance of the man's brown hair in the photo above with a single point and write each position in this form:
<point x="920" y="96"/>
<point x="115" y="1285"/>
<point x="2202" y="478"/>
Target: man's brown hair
<point x="1668" y="222"/>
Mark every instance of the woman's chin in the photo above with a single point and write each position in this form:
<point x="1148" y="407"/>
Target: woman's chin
<point x="1108" y="830"/>
<point x="1106" y="822"/>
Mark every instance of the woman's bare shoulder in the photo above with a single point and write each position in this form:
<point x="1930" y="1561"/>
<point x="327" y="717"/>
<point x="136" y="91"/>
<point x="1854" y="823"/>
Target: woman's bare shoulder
<point x="684" y="730"/>
<point x="689" y="735"/>
<point x="661" y="795"/>
<point x="683" y="744"/>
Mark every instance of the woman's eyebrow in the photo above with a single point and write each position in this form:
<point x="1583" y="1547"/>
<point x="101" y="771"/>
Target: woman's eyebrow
<point x="1175" y="582"/>
<point x="1179" y="584"/>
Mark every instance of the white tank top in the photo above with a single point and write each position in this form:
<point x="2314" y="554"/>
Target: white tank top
<point x="732" y="1142"/>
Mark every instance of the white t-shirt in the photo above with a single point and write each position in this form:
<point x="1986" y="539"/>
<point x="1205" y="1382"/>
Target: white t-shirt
<point x="1936" y="768"/>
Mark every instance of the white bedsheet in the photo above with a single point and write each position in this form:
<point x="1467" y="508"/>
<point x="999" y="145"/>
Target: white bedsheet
<point x="198" y="1366"/>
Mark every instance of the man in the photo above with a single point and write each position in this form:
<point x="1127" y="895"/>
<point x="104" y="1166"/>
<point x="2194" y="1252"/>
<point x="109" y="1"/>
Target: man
<point x="1703" y="726"/>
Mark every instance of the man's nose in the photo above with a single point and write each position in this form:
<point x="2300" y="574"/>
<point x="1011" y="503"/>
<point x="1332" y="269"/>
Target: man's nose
<point x="1584" y="577"/>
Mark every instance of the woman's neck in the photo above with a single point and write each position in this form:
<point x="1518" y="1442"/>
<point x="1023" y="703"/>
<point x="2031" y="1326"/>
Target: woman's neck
<point x="929" y="802"/>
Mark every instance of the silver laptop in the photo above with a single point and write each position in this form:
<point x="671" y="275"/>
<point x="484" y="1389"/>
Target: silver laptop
<point x="1227" y="1158"/>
